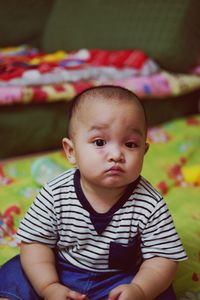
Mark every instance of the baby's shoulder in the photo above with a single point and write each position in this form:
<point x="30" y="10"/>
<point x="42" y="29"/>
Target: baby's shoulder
<point x="148" y="191"/>
<point x="64" y="180"/>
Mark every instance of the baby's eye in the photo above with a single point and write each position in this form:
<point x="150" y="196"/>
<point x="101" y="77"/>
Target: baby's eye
<point x="131" y="145"/>
<point x="99" y="142"/>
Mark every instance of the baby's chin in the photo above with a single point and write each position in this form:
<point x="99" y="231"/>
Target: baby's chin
<point x="114" y="182"/>
<point x="110" y="181"/>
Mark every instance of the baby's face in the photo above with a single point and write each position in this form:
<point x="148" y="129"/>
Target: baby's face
<point x="109" y="142"/>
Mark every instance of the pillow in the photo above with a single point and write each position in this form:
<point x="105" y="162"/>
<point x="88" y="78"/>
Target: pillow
<point x="168" y="31"/>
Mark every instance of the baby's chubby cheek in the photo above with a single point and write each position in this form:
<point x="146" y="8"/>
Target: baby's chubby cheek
<point x="102" y="152"/>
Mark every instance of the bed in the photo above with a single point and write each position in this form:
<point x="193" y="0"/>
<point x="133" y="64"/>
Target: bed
<point x="36" y="88"/>
<point x="172" y="165"/>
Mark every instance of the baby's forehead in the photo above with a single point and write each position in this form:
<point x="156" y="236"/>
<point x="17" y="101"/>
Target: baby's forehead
<point x="99" y="103"/>
<point x="103" y="101"/>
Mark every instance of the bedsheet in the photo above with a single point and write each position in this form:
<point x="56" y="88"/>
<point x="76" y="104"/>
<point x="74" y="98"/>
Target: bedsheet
<point x="172" y="165"/>
<point x="29" y="75"/>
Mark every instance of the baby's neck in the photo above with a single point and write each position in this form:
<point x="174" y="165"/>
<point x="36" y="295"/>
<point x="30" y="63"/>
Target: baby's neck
<point x="101" y="199"/>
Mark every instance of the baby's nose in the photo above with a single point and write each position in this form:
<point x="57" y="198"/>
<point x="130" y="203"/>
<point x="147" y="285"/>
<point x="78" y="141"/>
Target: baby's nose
<point x="115" y="153"/>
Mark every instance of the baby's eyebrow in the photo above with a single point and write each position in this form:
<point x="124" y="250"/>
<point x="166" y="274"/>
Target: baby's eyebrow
<point x="103" y="126"/>
<point x="136" y="131"/>
<point x="99" y="127"/>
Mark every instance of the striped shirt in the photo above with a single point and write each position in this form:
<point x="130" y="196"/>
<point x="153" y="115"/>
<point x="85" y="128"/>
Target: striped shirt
<point x="62" y="217"/>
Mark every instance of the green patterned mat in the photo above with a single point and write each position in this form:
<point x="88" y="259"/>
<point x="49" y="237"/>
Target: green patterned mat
<point x="172" y="165"/>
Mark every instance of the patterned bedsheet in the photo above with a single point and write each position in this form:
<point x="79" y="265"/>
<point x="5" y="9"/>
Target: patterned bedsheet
<point x="28" y="75"/>
<point x="172" y="165"/>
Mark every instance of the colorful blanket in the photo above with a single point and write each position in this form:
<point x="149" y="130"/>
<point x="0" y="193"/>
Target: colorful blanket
<point x="28" y="75"/>
<point x="172" y="165"/>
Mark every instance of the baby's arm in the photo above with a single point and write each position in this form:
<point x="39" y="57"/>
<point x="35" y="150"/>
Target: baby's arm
<point x="154" y="276"/>
<point x="38" y="262"/>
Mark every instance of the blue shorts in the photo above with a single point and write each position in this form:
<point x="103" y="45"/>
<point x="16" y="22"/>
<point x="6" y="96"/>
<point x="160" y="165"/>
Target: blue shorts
<point x="15" y="285"/>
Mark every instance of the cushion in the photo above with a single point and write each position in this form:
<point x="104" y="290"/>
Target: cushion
<point x="23" y="21"/>
<point x="168" y="31"/>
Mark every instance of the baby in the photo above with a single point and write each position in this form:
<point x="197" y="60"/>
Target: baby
<point x="99" y="230"/>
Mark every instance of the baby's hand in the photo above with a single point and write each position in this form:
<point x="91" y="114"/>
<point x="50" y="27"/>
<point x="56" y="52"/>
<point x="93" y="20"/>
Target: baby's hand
<point x="127" y="292"/>
<point x="60" y="292"/>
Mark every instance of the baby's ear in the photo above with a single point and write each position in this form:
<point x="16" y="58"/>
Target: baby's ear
<point x="68" y="147"/>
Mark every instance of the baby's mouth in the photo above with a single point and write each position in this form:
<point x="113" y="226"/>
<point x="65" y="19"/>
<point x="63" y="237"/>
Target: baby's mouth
<point x="115" y="170"/>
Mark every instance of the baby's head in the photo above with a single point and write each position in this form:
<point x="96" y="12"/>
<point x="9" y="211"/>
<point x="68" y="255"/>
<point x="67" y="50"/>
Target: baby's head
<point x="113" y="95"/>
<point x="107" y="136"/>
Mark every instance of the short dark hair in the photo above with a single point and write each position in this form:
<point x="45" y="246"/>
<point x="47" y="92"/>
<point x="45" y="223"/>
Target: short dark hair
<point x="107" y="92"/>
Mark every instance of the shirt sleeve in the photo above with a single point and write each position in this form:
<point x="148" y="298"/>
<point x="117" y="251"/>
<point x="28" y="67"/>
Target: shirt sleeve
<point x="39" y="223"/>
<point x="159" y="237"/>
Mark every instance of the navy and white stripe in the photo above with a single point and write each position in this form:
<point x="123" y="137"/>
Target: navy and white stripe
<point x="58" y="217"/>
